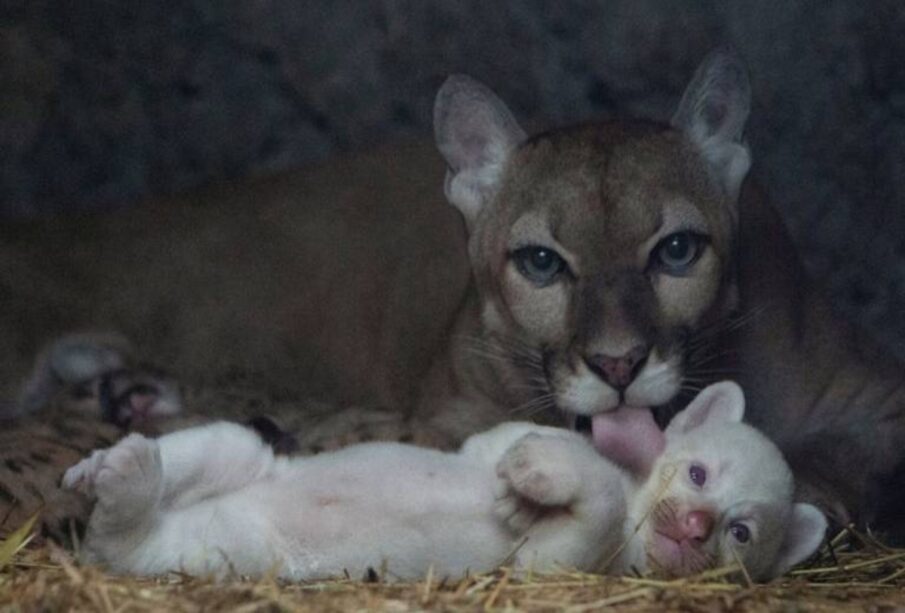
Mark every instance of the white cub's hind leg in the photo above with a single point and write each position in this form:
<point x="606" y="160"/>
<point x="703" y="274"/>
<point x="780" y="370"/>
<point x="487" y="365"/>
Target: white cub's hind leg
<point x="211" y="460"/>
<point x="190" y="465"/>
<point x="176" y="502"/>
<point x="127" y="481"/>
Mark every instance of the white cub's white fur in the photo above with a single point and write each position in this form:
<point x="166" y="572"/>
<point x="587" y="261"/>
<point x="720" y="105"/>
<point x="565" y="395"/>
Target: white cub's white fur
<point x="214" y="499"/>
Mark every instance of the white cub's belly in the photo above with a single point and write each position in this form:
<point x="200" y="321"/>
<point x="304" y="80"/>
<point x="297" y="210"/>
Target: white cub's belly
<point x="385" y="506"/>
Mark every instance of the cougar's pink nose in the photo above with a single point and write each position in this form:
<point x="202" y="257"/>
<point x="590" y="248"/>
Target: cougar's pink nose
<point x="618" y="371"/>
<point x="698" y="525"/>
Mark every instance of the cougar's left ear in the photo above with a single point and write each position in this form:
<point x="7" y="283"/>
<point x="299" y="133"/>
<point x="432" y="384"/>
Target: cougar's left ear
<point x="806" y="530"/>
<point x="476" y="133"/>
<point x="712" y="115"/>
<point x="720" y="402"/>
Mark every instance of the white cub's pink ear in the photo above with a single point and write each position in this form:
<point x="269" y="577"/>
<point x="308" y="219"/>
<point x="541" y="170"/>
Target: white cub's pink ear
<point x="806" y="531"/>
<point x="713" y="112"/>
<point x="475" y="133"/>
<point x="720" y="402"/>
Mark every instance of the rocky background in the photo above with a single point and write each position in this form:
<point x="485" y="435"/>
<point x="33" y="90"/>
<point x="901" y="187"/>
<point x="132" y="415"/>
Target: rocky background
<point x="105" y="102"/>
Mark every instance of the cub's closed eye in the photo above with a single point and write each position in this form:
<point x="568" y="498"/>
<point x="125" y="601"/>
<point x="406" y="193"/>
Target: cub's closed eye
<point x="677" y="253"/>
<point x="540" y="265"/>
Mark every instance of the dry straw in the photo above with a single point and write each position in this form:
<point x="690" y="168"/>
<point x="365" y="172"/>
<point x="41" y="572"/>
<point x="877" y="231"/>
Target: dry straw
<point x="854" y="572"/>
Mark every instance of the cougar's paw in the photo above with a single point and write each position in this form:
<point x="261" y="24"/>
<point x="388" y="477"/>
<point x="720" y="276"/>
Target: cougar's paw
<point x="135" y="398"/>
<point x="539" y="468"/>
<point x="71" y="360"/>
<point x="131" y="398"/>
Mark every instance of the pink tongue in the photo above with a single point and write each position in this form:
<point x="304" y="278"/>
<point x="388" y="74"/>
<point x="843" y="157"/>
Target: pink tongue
<point x="628" y="436"/>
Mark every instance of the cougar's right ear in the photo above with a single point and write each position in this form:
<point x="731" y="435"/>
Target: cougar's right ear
<point x="712" y="114"/>
<point x="476" y="133"/>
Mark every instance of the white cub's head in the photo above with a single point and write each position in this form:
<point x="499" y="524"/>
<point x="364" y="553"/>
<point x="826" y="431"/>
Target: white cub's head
<point x="721" y="493"/>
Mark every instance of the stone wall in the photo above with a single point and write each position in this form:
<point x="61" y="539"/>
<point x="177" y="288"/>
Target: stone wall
<point x="104" y="102"/>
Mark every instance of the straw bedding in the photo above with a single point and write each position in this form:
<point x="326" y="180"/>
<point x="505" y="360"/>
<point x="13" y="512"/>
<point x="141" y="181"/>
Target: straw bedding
<point x="853" y="572"/>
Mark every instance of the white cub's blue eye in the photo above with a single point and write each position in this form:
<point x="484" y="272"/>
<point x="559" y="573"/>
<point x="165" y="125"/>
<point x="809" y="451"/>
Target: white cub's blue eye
<point x="540" y="265"/>
<point x="740" y="532"/>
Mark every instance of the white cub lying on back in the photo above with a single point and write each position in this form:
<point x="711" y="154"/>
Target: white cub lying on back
<point x="214" y="499"/>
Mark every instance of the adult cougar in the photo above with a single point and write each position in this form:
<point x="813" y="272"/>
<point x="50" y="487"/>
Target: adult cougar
<point x="607" y="265"/>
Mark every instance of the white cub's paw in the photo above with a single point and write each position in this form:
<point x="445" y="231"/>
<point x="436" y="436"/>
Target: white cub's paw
<point x="537" y="472"/>
<point x="131" y="475"/>
<point x="540" y="468"/>
<point x="126" y="479"/>
<point x="80" y="477"/>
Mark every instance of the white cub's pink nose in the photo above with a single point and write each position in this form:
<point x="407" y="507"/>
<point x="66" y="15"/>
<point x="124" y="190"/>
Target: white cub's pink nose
<point x="698" y="525"/>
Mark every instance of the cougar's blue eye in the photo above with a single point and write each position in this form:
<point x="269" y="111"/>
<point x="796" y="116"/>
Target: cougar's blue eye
<point x="740" y="532"/>
<point x="540" y="265"/>
<point x="677" y="252"/>
<point x="697" y="474"/>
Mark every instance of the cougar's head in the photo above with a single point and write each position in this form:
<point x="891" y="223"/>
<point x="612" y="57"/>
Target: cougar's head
<point x="600" y="249"/>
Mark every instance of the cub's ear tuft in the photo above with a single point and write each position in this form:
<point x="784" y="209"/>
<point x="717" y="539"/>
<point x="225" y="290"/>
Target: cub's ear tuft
<point x="720" y="402"/>
<point x="712" y="114"/>
<point x="806" y="531"/>
<point x="475" y="133"/>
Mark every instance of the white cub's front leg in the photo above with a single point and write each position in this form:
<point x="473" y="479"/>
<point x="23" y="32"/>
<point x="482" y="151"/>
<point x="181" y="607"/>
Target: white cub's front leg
<point x="538" y="471"/>
<point x="211" y="460"/>
<point x="546" y="474"/>
<point x="126" y="479"/>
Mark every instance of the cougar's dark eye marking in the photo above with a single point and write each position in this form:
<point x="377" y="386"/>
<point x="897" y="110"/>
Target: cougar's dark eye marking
<point x="540" y="265"/>
<point x="740" y="532"/>
<point x="697" y="474"/>
<point x="677" y="252"/>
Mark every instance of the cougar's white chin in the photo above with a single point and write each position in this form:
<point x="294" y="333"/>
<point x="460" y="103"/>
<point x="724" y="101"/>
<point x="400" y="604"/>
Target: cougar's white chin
<point x="585" y="393"/>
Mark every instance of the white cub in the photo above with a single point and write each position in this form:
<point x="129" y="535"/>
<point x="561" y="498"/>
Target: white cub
<point x="214" y="500"/>
<point x="720" y="492"/>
